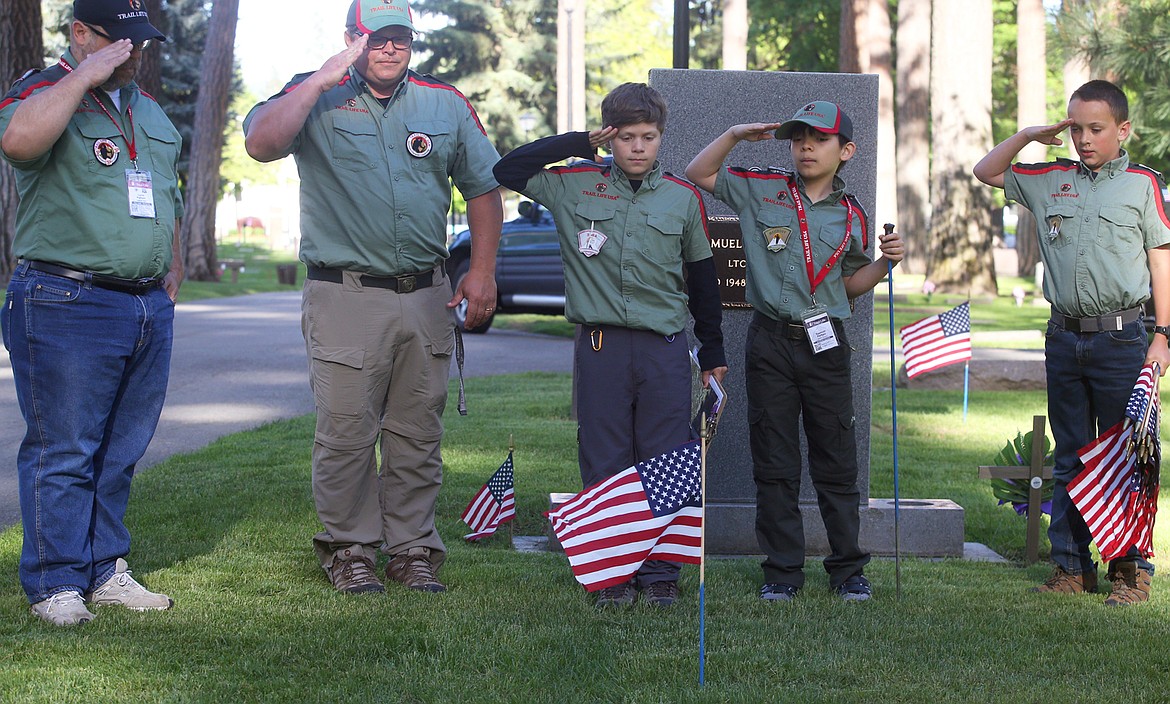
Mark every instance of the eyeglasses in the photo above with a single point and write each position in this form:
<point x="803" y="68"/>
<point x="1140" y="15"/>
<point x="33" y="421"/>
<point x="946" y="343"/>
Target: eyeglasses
<point x="402" y="42"/>
<point x="140" y="46"/>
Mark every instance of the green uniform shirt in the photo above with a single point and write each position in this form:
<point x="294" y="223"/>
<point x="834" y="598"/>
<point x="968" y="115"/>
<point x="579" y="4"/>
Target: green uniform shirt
<point x="778" y="282"/>
<point x="375" y="188"/>
<point x="1094" y="230"/>
<point x="636" y="279"/>
<point x="74" y="206"/>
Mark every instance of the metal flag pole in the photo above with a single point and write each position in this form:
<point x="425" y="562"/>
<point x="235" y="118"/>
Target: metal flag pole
<point x="703" y="548"/>
<point x="966" y="386"/>
<point x="889" y="228"/>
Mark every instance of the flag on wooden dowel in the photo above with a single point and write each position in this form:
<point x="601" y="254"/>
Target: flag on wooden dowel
<point x="937" y="341"/>
<point x="494" y="505"/>
<point x="650" y="511"/>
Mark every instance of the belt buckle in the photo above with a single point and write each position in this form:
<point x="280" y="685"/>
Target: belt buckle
<point x="406" y="283"/>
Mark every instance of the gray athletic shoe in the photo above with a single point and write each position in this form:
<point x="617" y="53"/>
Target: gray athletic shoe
<point x="63" y="609"/>
<point x="122" y="590"/>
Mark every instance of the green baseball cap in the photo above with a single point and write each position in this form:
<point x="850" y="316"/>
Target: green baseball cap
<point x="822" y="116"/>
<point x="369" y="16"/>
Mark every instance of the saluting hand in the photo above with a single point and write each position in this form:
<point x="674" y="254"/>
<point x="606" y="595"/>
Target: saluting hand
<point x="755" y="131"/>
<point x="97" y="68"/>
<point x="601" y="137"/>
<point x="1048" y="134"/>
<point x="335" y="67"/>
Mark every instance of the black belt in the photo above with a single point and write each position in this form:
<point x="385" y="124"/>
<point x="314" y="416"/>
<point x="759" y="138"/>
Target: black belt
<point x="399" y="284"/>
<point x="1110" y="322"/>
<point x="793" y="331"/>
<point x="112" y="283"/>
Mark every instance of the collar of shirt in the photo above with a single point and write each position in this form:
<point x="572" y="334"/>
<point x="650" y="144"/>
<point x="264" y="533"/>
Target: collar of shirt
<point x="834" y="196"/>
<point x="358" y="81"/>
<point x="1110" y="168"/>
<point x="651" y="180"/>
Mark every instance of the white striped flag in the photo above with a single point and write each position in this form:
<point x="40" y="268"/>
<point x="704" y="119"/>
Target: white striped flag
<point x="494" y="505"/>
<point x="937" y="341"/>
<point x="1117" y="492"/>
<point x="651" y="511"/>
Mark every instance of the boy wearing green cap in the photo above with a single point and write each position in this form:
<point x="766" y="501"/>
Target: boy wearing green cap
<point x="805" y="241"/>
<point x="628" y="230"/>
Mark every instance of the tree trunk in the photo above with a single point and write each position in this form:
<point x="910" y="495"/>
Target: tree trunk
<point x="913" y="135"/>
<point x="21" y="48"/>
<point x="881" y="62"/>
<point x="203" y="190"/>
<point x="1032" y="109"/>
<point x="149" y="76"/>
<point x="853" y="56"/>
<point x="735" y="35"/>
<point x="961" y="258"/>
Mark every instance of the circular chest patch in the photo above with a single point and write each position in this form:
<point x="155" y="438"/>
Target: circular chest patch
<point x="419" y="144"/>
<point x="106" y="152"/>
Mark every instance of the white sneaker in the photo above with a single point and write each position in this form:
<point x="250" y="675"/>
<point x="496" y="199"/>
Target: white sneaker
<point x="63" y="609"/>
<point x="122" y="590"/>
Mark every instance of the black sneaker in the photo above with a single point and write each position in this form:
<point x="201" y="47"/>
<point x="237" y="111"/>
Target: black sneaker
<point x="661" y="594"/>
<point x="618" y="595"/>
<point x="778" y="592"/>
<point x="856" y="588"/>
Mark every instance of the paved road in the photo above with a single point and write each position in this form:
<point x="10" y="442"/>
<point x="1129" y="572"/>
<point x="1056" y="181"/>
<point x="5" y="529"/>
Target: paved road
<point x="239" y="363"/>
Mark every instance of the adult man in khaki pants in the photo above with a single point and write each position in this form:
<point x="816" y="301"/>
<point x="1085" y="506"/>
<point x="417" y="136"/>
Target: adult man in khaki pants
<point x="376" y="145"/>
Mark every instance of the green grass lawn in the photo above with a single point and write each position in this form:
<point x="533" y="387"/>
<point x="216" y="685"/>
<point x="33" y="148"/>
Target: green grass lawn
<point x="226" y="531"/>
<point x="258" y="275"/>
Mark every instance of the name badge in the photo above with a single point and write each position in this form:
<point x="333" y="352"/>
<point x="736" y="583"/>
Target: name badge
<point x="819" y="328"/>
<point x="139" y="185"/>
<point x="590" y="241"/>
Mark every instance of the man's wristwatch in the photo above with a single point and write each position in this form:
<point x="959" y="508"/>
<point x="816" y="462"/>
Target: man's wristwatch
<point x="1164" y="329"/>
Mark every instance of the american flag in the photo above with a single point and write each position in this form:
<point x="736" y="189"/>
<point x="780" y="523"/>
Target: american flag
<point x="493" y="505"/>
<point x="651" y="511"/>
<point x="937" y="341"/>
<point x="1117" y="492"/>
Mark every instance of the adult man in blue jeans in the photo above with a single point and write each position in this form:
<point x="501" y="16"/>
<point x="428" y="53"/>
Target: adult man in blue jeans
<point x="87" y="319"/>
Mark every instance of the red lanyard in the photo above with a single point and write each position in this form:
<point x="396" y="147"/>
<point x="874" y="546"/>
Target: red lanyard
<point x="814" y="280"/>
<point x="132" y="140"/>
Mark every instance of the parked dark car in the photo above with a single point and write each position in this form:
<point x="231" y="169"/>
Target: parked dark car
<point x="530" y="277"/>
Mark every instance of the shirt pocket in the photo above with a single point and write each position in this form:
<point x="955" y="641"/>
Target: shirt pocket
<point x="163" y="146"/>
<point x="354" y="143"/>
<point x="429" y="144"/>
<point x="597" y="214"/>
<point x="93" y="132"/>
<point x="777" y="227"/>
<point x="1119" y="232"/>
<point x="664" y="240"/>
<point x="1065" y="219"/>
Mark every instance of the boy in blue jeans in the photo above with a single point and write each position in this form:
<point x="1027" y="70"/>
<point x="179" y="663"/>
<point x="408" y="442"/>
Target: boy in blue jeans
<point x="1104" y="232"/>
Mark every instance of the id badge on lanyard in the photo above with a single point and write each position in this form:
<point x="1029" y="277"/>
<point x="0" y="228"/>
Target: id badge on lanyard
<point x="818" y="326"/>
<point x="139" y="186"/>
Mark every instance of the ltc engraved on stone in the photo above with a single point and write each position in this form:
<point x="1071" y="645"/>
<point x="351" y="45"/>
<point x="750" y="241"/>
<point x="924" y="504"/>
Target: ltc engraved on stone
<point x="1054" y="226"/>
<point x="777" y="238"/>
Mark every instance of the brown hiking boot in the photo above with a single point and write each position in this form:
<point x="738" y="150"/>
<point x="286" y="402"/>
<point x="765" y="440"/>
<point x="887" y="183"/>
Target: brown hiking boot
<point x="414" y="569"/>
<point x="616" y="596"/>
<point x="1062" y="582"/>
<point x="353" y="573"/>
<point x="661" y="594"/>
<point x="1131" y="584"/>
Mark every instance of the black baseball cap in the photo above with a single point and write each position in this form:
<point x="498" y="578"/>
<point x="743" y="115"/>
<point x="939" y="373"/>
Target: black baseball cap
<point x="121" y="19"/>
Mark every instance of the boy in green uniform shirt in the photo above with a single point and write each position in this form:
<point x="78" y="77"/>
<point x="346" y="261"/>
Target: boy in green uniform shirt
<point x="627" y="228"/>
<point x="804" y="239"/>
<point x="1104" y="233"/>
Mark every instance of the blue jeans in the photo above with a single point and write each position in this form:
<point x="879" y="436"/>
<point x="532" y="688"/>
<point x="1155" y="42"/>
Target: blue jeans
<point x="1090" y="379"/>
<point x="91" y="368"/>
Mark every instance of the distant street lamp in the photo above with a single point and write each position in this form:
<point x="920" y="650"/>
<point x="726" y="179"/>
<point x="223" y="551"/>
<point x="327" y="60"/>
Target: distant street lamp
<point x="527" y="122"/>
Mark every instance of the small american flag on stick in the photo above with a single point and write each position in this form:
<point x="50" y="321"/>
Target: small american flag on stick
<point x="937" y="341"/>
<point x="494" y="505"/>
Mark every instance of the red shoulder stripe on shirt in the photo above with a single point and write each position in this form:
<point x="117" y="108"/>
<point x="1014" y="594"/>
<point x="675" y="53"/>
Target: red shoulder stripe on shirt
<point x="443" y="86"/>
<point x="148" y="95"/>
<point x="25" y="93"/>
<point x="1037" y="169"/>
<point x="1157" y="190"/>
<point x="863" y="218"/>
<point x="691" y="187"/>
<point x="576" y="169"/>
<point x="748" y="173"/>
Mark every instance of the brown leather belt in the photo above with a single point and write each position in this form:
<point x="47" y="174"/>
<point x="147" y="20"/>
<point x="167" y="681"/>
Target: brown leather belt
<point x="1110" y="322"/>
<point x="136" y="287"/>
<point x="399" y="284"/>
